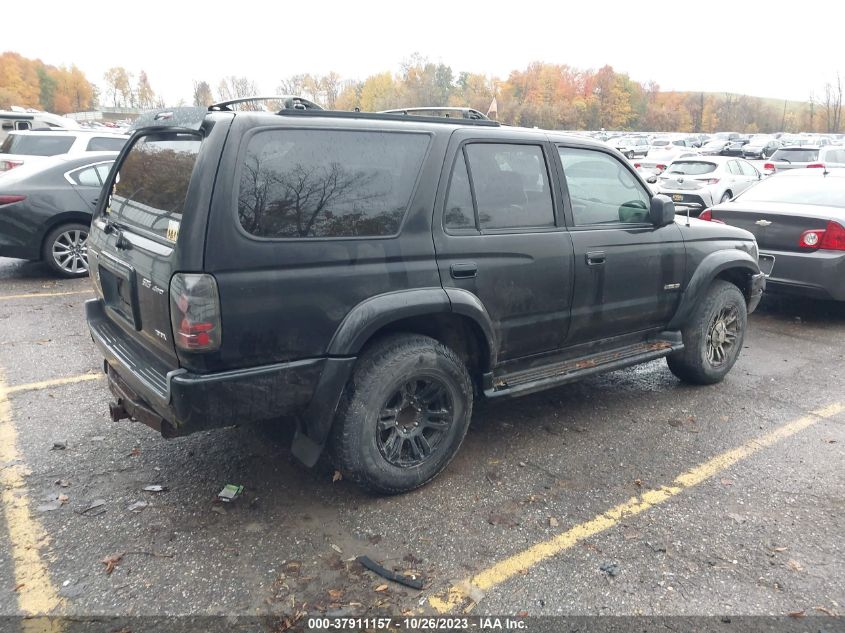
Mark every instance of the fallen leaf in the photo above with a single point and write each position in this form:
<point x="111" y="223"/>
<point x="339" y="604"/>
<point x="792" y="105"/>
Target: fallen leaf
<point x="779" y="549"/>
<point x="381" y="588"/>
<point x="638" y="483"/>
<point x="794" y="565"/>
<point x="522" y="614"/>
<point x="62" y="483"/>
<point x="21" y="585"/>
<point x="553" y="522"/>
<point x="336" y="594"/>
<point x="134" y="452"/>
<point x="337" y="549"/>
<point x="726" y="482"/>
<point x="63" y="499"/>
<point x="111" y="562"/>
<point x="155" y="488"/>
<point x="797" y="614"/>
<point x="337" y="476"/>
<point x="137" y="506"/>
<point x="630" y="533"/>
<point x="95" y="507"/>
<point x="826" y="611"/>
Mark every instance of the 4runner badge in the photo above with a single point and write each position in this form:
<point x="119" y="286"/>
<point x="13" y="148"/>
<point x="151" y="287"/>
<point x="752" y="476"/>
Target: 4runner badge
<point x="172" y="230"/>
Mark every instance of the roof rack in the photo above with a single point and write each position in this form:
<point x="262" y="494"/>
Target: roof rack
<point x="290" y="102"/>
<point x="389" y="116"/>
<point x="465" y="113"/>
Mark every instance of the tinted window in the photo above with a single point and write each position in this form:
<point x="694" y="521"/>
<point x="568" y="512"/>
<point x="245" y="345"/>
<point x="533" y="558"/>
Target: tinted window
<point x="36" y="145"/>
<point x="796" y="155"/>
<point x="691" y="168"/>
<point x="511" y="185"/>
<point x="105" y="144"/>
<point x="459" y="213"/>
<point x="824" y="191"/>
<point x="152" y="183"/>
<point x="835" y="156"/>
<point x="321" y="183"/>
<point x="601" y="189"/>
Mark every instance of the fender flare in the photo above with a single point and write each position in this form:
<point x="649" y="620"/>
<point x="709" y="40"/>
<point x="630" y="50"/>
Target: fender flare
<point x="709" y="268"/>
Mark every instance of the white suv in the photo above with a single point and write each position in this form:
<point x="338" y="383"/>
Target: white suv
<point x="29" y="146"/>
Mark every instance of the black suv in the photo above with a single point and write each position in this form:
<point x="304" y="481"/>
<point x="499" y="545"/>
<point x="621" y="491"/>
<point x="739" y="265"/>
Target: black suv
<point x="371" y="274"/>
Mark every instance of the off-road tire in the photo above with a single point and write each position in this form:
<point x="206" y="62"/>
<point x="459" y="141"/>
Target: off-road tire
<point x="693" y="364"/>
<point x="356" y="443"/>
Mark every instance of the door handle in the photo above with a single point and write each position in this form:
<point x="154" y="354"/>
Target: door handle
<point x="463" y="270"/>
<point x="596" y="258"/>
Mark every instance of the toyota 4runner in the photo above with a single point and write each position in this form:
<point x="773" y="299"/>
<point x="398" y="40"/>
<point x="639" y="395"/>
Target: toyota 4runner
<point x="370" y="275"/>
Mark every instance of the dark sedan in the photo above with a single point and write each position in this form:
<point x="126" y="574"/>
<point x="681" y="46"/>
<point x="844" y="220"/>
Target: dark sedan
<point x="45" y="210"/>
<point x="798" y="218"/>
<point x="734" y="148"/>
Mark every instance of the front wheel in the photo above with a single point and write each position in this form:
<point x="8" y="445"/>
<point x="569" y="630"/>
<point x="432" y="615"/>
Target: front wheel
<point x="403" y="415"/>
<point x="725" y="197"/>
<point x="713" y="337"/>
<point x="66" y="250"/>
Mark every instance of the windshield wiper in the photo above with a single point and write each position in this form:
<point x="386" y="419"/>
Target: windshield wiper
<point x="783" y="160"/>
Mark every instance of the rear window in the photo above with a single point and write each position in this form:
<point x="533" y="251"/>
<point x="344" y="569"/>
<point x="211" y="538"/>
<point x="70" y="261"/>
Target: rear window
<point x="691" y="168"/>
<point x="659" y="143"/>
<point x="328" y="183"/>
<point x="36" y="145"/>
<point x="799" y="190"/>
<point x="152" y="184"/>
<point x="105" y="144"/>
<point x="796" y="155"/>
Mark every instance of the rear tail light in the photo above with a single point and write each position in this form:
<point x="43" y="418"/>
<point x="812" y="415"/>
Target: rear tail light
<point x="830" y="238"/>
<point x="769" y="166"/>
<point x="815" y="166"/>
<point x="707" y="214"/>
<point x="6" y="165"/>
<point x="637" y="165"/>
<point x="661" y="167"/>
<point x="711" y="181"/>
<point x="9" y="199"/>
<point x="195" y="312"/>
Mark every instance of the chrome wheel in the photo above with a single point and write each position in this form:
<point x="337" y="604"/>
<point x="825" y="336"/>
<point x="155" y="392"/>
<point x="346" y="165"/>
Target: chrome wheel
<point x="70" y="251"/>
<point x="722" y="335"/>
<point x="414" y="420"/>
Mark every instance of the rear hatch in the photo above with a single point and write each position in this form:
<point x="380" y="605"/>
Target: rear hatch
<point x="793" y="158"/>
<point x="150" y="227"/>
<point x="688" y="175"/>
<point x="18" y="149"/>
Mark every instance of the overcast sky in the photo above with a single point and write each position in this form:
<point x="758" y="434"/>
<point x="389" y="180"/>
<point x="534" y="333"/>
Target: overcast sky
<point x="711" y="46"/>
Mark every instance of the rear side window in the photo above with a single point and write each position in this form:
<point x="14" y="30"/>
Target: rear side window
<point x="328" y="183"/>
<point x="37" y="145"/>
<point x="105" y="144"/>
<point x="511" y="185"/>
<point x="152" y="183"/>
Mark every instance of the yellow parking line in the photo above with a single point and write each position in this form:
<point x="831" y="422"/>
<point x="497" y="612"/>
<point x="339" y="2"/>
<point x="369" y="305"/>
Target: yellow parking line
<point x="34" y="295"/>
<point x="46" y="384"/>
<point x="460" y="594"/>
<point x="35" y="592"/>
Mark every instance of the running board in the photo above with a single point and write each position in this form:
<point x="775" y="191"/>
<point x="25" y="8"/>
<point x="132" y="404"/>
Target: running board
<point x="537" y="379"/>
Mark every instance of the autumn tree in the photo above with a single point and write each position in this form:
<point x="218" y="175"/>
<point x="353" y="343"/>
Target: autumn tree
<point x="118" y="86"/>
<point x="144" y="92"/>
<point x="202" y="94"/>
<point x="833" y="105"/>
<point x="233" y="87"/>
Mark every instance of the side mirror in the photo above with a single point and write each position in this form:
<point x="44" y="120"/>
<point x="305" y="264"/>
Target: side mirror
<point x="662" y="211"/>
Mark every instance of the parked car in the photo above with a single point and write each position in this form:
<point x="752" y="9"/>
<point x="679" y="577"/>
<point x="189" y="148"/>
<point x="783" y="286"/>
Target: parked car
<point x="656" y="162"/>
<point x="798" y="218"/>
<point x="734" y="148"/>
<point x="32" y="146"/>
<point x="23" y="119"/>
<point x="664" y="142"/>
<point x="343" y="268"/>
<point x="760" y="147"/>
<point x="46" y="208"/>
<point x="694" y="184"/>
<point x="630" y="146"/>
<point x="713" y="148"/>
<point x="802" y="157"/>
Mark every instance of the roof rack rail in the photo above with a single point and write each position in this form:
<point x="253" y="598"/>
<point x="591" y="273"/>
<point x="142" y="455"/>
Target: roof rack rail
<point x="290" y="102"/>
<point x="389" y="116"/>
<point x="465" y="113"/>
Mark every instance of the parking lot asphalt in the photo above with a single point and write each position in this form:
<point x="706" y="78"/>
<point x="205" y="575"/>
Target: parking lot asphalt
<point x="623" y="494"/>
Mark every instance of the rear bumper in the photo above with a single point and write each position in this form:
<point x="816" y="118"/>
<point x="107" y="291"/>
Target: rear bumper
<point x="177" y="402"/>
<point x="818" y="275"/>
